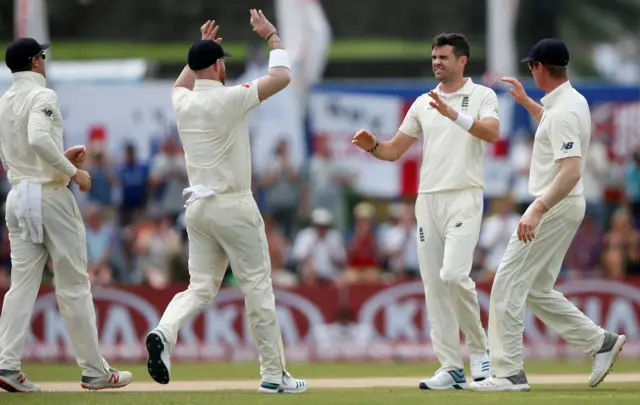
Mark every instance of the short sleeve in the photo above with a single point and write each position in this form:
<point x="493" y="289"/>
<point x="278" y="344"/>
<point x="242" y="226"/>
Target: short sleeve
<point x="411" y="123"/>
<point x="178" y="97"/>
<point x="565" y="139"/>
<point x="489" y="106"/>
<point x="244" y="98"/>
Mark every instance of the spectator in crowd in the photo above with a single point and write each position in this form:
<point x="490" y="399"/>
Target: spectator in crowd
<point x="362" y="252"/>
<point x="520" y="158"/>
<point x="168" y="176"/>
<point x="495" y="234"/>
<point x="133" y="179"/>
<point x="5" y="260"/>
<point x="152" y="243"/>
<point x="282" y="188"/>
<point x="344" y="335"/>
<point x="125" y="261"/>
<point x="594" y="178"/>
<point x="318" y="250"/>
<point x="632" y="186"/>
<point x="398" y="242"/>
<point x="278" y="253"/>
<point x="583" y="259"/>
<point x="103" y="178"/>
<point x="622" y="247"/>
<point x="100" y="245"/>
<point x="327" y="182"/>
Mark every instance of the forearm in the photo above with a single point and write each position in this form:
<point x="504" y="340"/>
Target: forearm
<point x="534" y="109"/>
<point x="485" y="131"/>
<point x="279" y="73"/>
<point x="386" y="151"/>
<point x="187" y="79"/>
<point x="49" y="152"/>
<point x="561" y="186"/>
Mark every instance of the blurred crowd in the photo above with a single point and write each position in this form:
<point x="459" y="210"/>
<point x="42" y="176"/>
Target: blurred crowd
<point x="318" y="230"/>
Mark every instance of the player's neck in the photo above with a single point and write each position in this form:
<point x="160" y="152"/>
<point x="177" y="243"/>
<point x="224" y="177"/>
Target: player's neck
<point x="452" y="86"/>
<point x="554" y="84"/>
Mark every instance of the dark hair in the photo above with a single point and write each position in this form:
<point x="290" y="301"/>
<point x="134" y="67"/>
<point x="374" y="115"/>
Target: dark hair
<point x="458" y="42"/>
<point x="557" y="72"/>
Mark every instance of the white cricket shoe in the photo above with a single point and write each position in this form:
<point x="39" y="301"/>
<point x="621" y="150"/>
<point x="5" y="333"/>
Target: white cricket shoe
<point x="115" y="379"/>
<point x="480" y="369"/>
<point x="289" y="385"/>
<point x="16" y="381"/>
<point x="445" y="380"/>
<point x="516" y="382"/>
<point x="158" y="361"/>
<point x="605" y="358"/>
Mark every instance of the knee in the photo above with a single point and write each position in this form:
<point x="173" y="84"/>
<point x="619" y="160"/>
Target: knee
<point x="204" y="288"/>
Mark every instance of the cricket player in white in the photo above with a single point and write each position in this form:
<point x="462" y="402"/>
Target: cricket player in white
<point x="223" y="220"/>
<point x="43" y="220"/>
<point x="454" y="121"/>
<point x="534" y="256"/>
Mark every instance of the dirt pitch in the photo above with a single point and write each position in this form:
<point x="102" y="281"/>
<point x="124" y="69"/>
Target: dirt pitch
<point x="404" y="382"/>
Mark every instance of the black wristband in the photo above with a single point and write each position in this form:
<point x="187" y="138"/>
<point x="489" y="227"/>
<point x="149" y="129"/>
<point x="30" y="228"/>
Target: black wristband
<point x="272" y="34"/>
<point x="375" y="147"/>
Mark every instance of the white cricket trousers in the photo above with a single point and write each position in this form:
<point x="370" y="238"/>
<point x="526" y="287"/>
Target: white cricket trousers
<point x="448" y="231"/>
<point x="223" y="228"/>
<point x="65" y="242"/>
<point x="525" y="278"/>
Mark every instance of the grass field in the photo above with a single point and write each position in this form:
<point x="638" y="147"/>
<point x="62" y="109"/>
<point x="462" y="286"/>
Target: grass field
<point x="175" y="52"/>
<point x="201" y="384"/>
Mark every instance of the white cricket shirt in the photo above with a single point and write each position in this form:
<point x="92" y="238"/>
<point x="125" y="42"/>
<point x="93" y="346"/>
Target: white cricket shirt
<point x="212" y="123"/>
<point x="451" y="157"/>
<point x="31" y="142"/>
<point x="564" y="131"/>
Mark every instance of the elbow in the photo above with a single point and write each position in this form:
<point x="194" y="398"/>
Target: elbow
<point x="286" y="78"/>
<point x="493" y="136"/>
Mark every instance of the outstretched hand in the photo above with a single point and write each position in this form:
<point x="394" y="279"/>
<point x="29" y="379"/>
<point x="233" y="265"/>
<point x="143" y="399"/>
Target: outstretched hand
<point x="442" y="106"/>
<point x="209" y="31"/>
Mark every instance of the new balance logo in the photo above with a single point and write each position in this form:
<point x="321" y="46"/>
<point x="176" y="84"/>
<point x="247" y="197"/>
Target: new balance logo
<point x="465" y="103"/>
<point x="114" y="379"/>
<point x="458" y="225"/>
<point x="22" y="378"/>
<point x="566" y="146"/>
<point x="421" y="232"/>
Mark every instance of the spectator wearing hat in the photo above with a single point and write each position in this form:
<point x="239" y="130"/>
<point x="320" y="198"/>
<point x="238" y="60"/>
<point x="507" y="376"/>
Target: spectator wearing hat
<point x="318" y="250"/>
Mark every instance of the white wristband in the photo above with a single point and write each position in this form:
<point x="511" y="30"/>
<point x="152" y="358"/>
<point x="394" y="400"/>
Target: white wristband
<point x="279" y="58"/>
<point x="464" y="121"/>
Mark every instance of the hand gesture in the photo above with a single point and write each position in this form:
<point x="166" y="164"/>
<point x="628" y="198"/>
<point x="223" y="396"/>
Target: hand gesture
<point x="364" y="140"/>
<point x="528" y="225"/>
<point x="517" y="92"/>
<point x="209" y="31"/>
<point x="76" y="155"/>
<point x="260" y="24"/>
<point x="442" y="107"/>
<point x="82" y="179"/>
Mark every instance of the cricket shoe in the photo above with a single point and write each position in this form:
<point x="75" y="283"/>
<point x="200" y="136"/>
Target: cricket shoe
<point x="158" y="362"/>
<point x="604" y="359"/>
<point x="115" y="379"/>
<point x="289" y="385"/>
<point x="516" y="382"/>
<point x="16" y="381"/>
<point x="445" y="380"/>
<point x="480" y="369"/>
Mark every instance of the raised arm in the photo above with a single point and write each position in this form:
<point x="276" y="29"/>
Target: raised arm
<point x="279" y="74"/>
<point x="487" y="128"/>
<point x="520" y="96"/>
<point x="187" y="78"/>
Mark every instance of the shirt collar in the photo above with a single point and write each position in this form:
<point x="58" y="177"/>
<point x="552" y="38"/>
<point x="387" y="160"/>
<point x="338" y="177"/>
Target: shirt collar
<point x="552" y="97"/>
<point x="32" y="77"/>
<point x="207" y="84"/>
<point x="464" y="91"/>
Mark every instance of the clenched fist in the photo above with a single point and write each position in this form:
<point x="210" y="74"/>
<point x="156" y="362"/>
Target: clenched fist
<point x="364" y="140"/>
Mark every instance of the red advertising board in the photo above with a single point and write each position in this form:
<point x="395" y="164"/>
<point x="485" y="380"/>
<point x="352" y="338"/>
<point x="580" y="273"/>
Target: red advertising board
<point x="386" y="322"/>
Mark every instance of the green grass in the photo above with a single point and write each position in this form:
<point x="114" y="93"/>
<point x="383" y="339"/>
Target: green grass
<point x="618" y="395"/>
<point x="357" y="49"/>
<point x="217" y="371"/>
